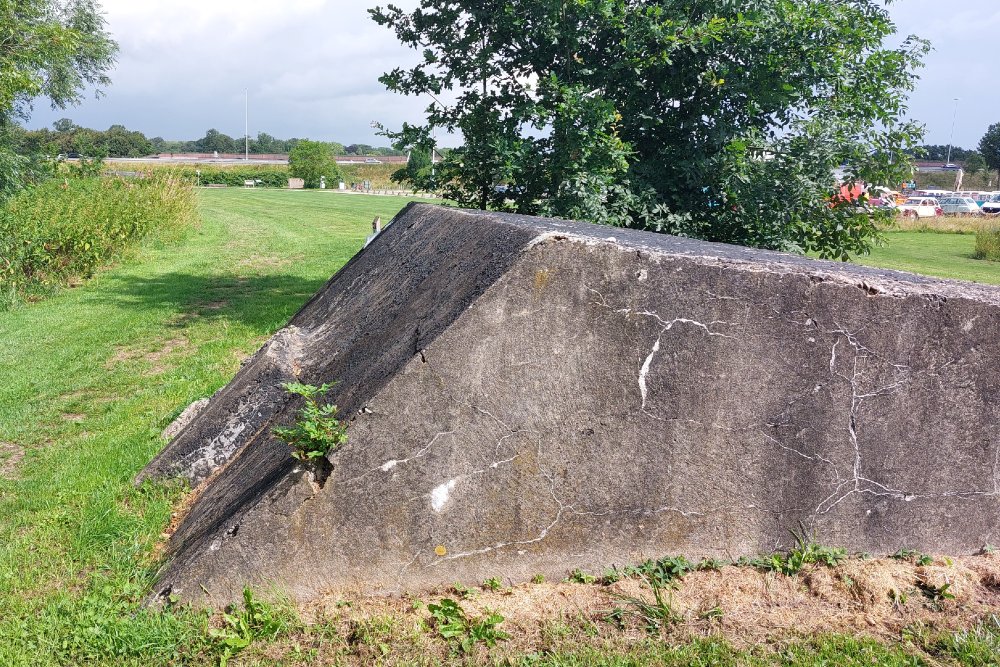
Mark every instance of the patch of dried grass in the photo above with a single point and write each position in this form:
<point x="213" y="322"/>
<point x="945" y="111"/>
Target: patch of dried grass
<point x="875" y="598"/>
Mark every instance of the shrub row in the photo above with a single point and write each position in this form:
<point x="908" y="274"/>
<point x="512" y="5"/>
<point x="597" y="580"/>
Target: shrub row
<point x="271" y="176"/>
<point x="66" y="229"/>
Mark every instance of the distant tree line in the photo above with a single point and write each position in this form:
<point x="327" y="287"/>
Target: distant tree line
<point x="66" y="137"/>
<point x="936" y="153"/>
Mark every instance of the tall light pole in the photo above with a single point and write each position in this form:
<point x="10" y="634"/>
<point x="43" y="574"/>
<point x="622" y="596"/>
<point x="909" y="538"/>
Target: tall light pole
<point x="951" y="139"/>
<point x="246" y="124"/>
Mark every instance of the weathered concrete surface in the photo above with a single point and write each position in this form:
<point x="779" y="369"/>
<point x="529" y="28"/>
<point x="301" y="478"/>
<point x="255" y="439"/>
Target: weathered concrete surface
<point x="529" y="396"/>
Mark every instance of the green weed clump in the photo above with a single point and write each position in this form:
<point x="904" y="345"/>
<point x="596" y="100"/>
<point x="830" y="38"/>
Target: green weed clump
<point x="65" y="229"/>
<point x="988" y="244"/>
<point x="317" y="431"/>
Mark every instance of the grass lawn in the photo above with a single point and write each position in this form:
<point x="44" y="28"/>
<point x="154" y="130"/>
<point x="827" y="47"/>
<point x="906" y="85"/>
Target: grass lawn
<point x="945" y="255"/>
<point x="92" y="375"/>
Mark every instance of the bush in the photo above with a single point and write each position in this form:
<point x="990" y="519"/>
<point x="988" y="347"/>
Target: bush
<point x="988" y="244"/>
<point x="313" y="161"/>
<point x="67" y="229"/>
<point x="270" y="176"/>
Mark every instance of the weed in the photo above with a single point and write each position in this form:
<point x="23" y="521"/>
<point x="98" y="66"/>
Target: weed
<point x="463" y="592"/>
<point x="913" y="556"/>
<point x="578" y="576"/>
<point x="805" y="552"/>
<point x="257" y="620"/>
<point x="611" y="575"/>
<point x="935" y="593"/>
<point x="493" y="584"/>
<point x="711" y="564"/>
<point x="712" y="614"/>
<point x="538" y="579"/>
<point x="654" y="615"/>
<point x="662" y="572"/>
<point x="452" y="623"/>
<point x="317" y="430"/>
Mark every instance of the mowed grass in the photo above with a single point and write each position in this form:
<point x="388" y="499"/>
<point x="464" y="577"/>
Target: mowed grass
<point x="944" y="255"/>
<point x="91" y="375"/>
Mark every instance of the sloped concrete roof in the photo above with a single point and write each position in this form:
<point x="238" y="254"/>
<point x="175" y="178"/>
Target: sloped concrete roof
<point x="530" y="396"/>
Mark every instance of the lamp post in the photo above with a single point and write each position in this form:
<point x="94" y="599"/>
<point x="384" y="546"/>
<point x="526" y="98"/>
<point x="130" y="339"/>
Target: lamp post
<point x="951" y="138"/>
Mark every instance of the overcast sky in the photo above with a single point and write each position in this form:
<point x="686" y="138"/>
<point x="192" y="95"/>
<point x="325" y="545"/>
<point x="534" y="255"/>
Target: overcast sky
<point x="311" y="68"/>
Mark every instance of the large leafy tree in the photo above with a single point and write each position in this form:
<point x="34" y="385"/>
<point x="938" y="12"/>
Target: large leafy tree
<point x="989" y="147"/>
<point x="719" y="119"/>
<point x="311" y="160"/>
<point x="53" y="49"/>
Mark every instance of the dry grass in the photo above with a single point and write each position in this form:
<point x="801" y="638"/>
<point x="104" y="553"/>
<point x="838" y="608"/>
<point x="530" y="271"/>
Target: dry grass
<point x="954" y="224"/>
<point x="874" y="598"/>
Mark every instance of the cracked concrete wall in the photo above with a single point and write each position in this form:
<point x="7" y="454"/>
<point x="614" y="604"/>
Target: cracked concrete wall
<point x="585" y="400"/>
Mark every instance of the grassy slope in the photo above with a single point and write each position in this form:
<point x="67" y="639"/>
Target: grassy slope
<point x="90" y="377"/>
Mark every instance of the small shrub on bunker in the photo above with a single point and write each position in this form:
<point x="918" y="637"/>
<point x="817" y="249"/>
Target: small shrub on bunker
<point x="317" y="431"/>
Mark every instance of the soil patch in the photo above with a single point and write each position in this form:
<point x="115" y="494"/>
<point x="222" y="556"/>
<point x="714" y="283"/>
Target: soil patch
<point x="10" y="457"/>
<point x="168" y="347"/>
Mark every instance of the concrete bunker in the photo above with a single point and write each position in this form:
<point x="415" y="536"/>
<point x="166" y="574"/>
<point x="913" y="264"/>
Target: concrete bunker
<point x="531" y="396"/>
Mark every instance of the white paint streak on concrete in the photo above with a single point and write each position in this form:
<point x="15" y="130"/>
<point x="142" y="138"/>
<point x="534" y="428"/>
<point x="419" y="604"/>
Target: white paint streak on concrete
<point x="441" y="494"/>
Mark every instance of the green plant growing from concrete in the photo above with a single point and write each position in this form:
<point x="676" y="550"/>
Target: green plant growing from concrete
<point x="805" y="552"/>
<point x="317" y="431"/>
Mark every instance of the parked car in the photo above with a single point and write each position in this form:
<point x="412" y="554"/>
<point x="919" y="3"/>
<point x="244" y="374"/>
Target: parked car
<point x="372" y="160"/>
<point x="960" y="206"/>
<point x="920" y="207"/>
<point x="992" y="205"/>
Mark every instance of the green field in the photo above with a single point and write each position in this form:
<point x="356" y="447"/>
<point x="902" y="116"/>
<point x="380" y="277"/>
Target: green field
<point x="935" y="254"/>
<point x="91" y="376"/>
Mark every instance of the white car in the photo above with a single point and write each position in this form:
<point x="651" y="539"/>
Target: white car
<point x="920" y="207"/>
<point x="992" y="205"/>
<point x="960" y="206"/>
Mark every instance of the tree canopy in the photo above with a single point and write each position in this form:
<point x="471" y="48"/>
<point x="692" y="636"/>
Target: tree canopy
<point x="989" y="147"/>
<point x="53" y="49"/>
<point x="721" y="120"/>
<point x="311" y="160"/>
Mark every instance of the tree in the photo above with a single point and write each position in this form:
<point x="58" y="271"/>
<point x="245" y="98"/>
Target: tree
<point x="52" y="49"/>
<point x="974" y="163"/>
<point x="215" y="141"/>
<point x="417" y="171"/>
<point x="989" y="147"/>
<point x="710" y="119"/>
<point x="64" y="125"/>
<point x="309" y="160"/>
